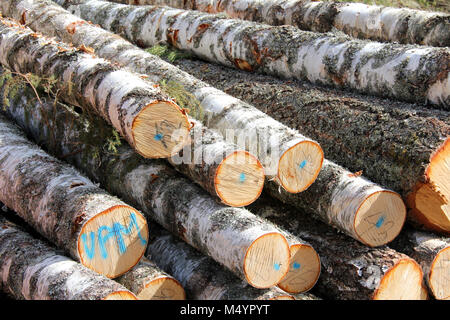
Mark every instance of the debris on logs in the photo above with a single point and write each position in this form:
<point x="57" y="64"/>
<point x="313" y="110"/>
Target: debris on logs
<point x="30" y="269"/>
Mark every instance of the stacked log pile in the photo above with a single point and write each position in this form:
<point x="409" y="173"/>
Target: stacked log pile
<point x="136" y="162"/>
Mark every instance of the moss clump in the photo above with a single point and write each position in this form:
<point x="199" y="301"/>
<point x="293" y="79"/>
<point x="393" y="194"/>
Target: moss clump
<point x="168" y="53"/>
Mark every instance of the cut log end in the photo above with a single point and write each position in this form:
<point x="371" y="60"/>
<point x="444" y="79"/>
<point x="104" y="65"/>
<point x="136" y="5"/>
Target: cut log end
<point x="380" y="218"/>
<point x="160" y="130"/>
<point x="299" y="166"/>
<point x="239" y="179"/>
<point x="120" y="295"/>
<point x="430" y="202"/>
<point x="283" y="297"/>
<point x="402" y="282"/>
<point x="113" y="241"/>
<point x="266" y="262"/>
<point x="304" y="269"/>
<point x="439" y="279"/>
<point x="163" y="288"/>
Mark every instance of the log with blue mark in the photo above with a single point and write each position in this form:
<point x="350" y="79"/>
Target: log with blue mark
<point x="104" y="233"/>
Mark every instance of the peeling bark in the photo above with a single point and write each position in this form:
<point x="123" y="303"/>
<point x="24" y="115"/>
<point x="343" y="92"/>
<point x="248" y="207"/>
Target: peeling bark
<point x="432" y="252"/>
<point x="215" y="106"/>
<point x="393" y="143"/>
<point x="30" y="269"/>
<point x="350" y="270"/>
<point x="405" y="72"/>
<point x="148" y="282"/>
<point x="122" y="98"/>
<point x="202" y="277"/>
<point x="358" y="20"/>
<point x="228" y="235"/>
<point x="67" y="208"/>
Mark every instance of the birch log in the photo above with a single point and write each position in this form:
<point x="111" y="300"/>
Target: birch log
<point x="30" y="269"/>
<point x="148" y="282"/>
<point x="289" y="158"/>
<point x="249" y="246"/>
<point x="432" y="252"/>
<point x="358" y="20"/>
<point x="235" y="176"/>
<point x="349" y="270"/>
<point x="201" y="276"/>
<point x="145" y="117"/>
<point x="102" y="232"/>
<point x="405" y="72"/>
<point x="397" y="145"/>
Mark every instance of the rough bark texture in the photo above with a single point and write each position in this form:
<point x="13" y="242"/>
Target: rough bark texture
<point x="55" y="199"/>
<point x="391" y="142"/>
<point x="202" y="277"/>
<point x="84" y="80"/>
<point x="359" y="20"/>
<point x="349" y="269"/>
<point x="406" y="72"/>
<point x="178" y="205"/>
<point x="215" y="106"/>
<point x="142" y="275"/>
<point x="424" y="248"/>
<point x="31" y="269"/>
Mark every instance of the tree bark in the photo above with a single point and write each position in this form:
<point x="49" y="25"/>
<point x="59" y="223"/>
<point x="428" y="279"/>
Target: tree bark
<point x="234" y="176"/>
<point x="405" y="72"/>
<point x="358" y="20"/>
<point x="30" y="269"/>
<point x="67" y="208"/>
<point x="249" y="246"/>
<point x="393" y="143"/>
<point x="432" y="252"/>
<point x="279" y="146"/>
<point x="132" y="105"/>
<point x="349" y="269"/>
<point x="148" y="282"/>
<point x="202" y="277"/>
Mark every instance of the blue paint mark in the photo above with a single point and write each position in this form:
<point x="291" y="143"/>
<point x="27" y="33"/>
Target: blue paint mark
<point x="158" y="137"/>
<point x="302" y="164"/>
<point x="276" y="266"/>
<point x="242" y="177"/>
<point x="105" y="233"/>
<point x="89" y="251"/>
<point x="296" y="265"/>
<point x="380" y="222"/>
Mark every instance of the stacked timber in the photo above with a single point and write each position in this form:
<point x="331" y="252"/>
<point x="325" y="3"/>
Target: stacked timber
<point x="358" y="20"/>
<point x="432" y="252"/>
<point x="93" y="227"/>
<point x="412" y="73"/>
<point x="148" y="282"/>
<point x="289" y="158"/>
<point x="201" y="276"/>
<point x="350" y="270"/>
<point x="138" y="110"/>
<point x="395" y="144"/>
<point x="31" y="269"/>
<point x="249" y="246"/>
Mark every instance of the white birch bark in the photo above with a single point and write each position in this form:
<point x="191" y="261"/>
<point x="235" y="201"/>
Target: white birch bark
<point x="220" y="111"/>
<point x="30" y="269"/>
<point x="379" y="23"/>
<point x="122" y="98"/>
<point x="405" y="72"/>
